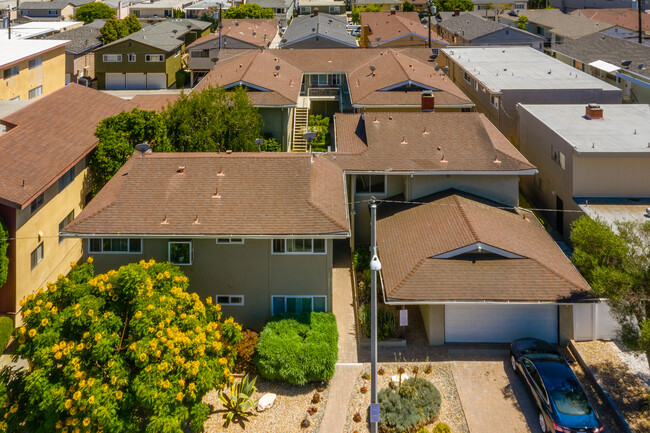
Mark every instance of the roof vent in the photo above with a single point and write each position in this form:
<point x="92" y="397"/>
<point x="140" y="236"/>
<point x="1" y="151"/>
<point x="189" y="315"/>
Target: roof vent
<point x="228" y="152"/>
<point x="196" y="219"/>
<point x="216" y="193"/>
<point x="181" y="169"/>
<point x="164" y="221"/>
<point x="221" y="173"/>
<point x="404" y="140"/>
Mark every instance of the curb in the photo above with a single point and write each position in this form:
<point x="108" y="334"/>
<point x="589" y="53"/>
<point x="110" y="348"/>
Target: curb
<point x="618" y="415"/>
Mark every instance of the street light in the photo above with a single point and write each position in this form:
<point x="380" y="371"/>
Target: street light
<point x="375" y="266"/>
<point x="430" y="8"/>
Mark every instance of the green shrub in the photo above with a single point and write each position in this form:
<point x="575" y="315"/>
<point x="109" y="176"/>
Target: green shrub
<point x="361" y="258"/>
<point x="441" y="427"/>
<point x="246" y="352"/>
<point x="424" y="430"/>
<point x="387" y="322"/>
<point x="271" y="145"/>
<point x="6" y="328"/>
<point x="414" y="404"/>
<point x="298" y="348"/>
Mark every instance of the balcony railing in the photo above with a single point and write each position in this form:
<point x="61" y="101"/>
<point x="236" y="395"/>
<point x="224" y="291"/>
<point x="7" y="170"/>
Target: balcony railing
<point x="315" y="92"/>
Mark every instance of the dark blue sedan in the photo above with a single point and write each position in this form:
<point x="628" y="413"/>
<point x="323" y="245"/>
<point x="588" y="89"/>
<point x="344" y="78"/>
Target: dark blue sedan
<point x="562" y="403"/>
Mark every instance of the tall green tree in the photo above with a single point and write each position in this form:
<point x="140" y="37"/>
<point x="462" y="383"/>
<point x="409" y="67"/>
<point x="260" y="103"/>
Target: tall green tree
<point x="451" y="5"/>
<point x="126" y="351"/>
<point x="356" y="11"/>
<point x="213" y="120"/>
<point x="248" y="10"/>
<point x="117" y="137"/>
<point x="117" y="29"/>
<point x="4" y="260"/>
<point x="407" y="6"/>
<point x="90" y="12"/>
<point x="617" y="266"/>
<point x="521" y="22"/>
<point x="132" y="24"/>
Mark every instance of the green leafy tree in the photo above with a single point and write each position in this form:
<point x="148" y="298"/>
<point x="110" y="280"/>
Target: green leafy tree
<point x="118" y="29"/>
<point x="90" y="12"/>
<point x="126" y="351"/>
<point x="617" y="266"/>
<point x="132" y="24"/>
<point x="213" y="120"/>
<point x="356" y="12"/>
<point x="320" y="125"/>
<point x="521" y="22"/>
<point x="178" y="13"/>
<point x="451" y="5"/>
<point x="117" y="137"/>
<point x="248" y="10"/>
<point x="208" y="16"/>
<point x="4" y="260"/>
<point x="407" y="6"/>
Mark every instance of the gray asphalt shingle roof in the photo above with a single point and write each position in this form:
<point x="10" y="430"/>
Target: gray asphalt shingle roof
<point x="164" y="36"/>
<point x="40" y="5"/>
<point x="471" y="26"/>
<point x="272" y="3"/>
<point x="326" y="25"/>
<point x="81" y="38"/>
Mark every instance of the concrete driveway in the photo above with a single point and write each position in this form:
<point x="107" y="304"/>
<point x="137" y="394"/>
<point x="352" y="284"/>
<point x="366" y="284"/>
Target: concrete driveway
<point x="493" y="396"/>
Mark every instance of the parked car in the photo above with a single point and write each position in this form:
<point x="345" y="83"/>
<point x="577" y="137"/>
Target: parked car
<point x="562" y="403"/>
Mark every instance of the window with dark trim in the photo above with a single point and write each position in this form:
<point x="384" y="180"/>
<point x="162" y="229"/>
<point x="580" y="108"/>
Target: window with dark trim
<point x="67" y="220"/>
<point x="299" y="246"/>
<point x="37" y="255"/>
<point x="115" y="245"/>
<point x="38" y="203"/>
<point x="66" y="179"/>
<point x="371" y="184"/>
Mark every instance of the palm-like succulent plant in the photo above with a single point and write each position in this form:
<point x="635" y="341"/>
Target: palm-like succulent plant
<point x="240" y="400"/>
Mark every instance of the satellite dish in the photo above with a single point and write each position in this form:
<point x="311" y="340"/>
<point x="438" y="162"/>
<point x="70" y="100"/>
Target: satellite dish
<point x="640" y="66"/>
<point x="309" y="136"/>
<point x="372" y="68"/>
<point x="313" y="29"/>
<point x="143" y="148"/>
<point x="258" y="143"/>
<point x="277" y="67"/>
<point x="378" y="38"/>
<point x="626" y="63"/>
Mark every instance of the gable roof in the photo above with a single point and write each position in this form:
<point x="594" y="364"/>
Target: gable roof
<point x="472" y="26"/>
<point x="567" y="26"/>
<point x="166" y="35"/>
<point x="257" y="32"/>
<point x="599" y="46"/>
<point x="81" y="38"/>
<point x="46" y="138"/>
<point x="325" y="25"/>
<point x="390" y="26"/>
<point x="528" y="266"/>
<point x="308" y="199"/>
<point x="626" y="18"/>
<point x="424" y="142"/>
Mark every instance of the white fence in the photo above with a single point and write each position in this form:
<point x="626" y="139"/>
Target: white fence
<point x="593" y="321"/>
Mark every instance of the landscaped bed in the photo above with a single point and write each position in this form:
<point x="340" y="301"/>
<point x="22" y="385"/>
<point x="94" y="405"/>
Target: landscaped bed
<point x="624" y="385"/>
<point x="451" y="410"/>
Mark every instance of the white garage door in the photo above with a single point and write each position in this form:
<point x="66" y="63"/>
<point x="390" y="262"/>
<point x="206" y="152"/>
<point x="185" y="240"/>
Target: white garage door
<point x="136" y="81"/>
<point x="500" y="323"/>
<point x="114" y="81"/>
<point x="156" y="81"/>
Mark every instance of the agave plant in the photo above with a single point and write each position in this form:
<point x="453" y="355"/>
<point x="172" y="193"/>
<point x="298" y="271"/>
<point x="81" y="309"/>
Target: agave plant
<point x="240" y="400"/>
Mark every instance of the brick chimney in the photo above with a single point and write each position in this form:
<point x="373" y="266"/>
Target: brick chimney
<point x="428" y="101"/>
<point x="456" y="12"/>
<point x="315" y="12"/>
<point x="392" y="11"/>
<point x="593" y="111"/>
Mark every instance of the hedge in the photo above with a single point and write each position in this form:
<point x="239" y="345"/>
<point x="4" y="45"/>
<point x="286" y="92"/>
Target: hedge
<point x="298" y="348"/>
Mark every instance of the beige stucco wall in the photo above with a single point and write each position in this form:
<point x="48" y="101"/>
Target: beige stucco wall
<point x="250" y="270"/>
<point x="433" y="317"/>
<point x="50" y="75"/>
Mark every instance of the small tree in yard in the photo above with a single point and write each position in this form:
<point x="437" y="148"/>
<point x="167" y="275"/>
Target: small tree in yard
<point x="407" y="6"/>
<point x="90" y="12"/>
<point x="248" y="10"/>
<point x="356" y="11"/>
<point x="118" y="29"/>
<point x="521" y="22"/>
<point x="125" y="351"/>
<point x="617" y="266"/>
<point x="319" y="125"/>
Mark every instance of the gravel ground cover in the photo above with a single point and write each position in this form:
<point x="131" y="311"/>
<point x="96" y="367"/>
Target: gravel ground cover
<point x="622" y="384"/>
<point x="285" y="416"/>
<point x="451" y="410"/>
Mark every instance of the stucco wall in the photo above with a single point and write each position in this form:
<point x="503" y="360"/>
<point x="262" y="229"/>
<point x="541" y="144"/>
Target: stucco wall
<point x="50" y="75"/>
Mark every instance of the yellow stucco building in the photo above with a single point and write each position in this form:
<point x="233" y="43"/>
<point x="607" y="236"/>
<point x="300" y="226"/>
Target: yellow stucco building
<point x="31" y="68"/>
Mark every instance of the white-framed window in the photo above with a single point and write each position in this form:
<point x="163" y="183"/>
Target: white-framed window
<point x="37" y="255"/>
<point x="35" y="62"/>
<point x="298" y="304"/>
<point x="53" y="13"/>
<point x="66" y="179"/>
<point x="371" y="184"/>
<point x="180" y="252"/>
<point x="559" y="158"/>
<point x="115" y="245"/>
<point x="11" y="72"/>
<point x="520" y="6"/>
<point x="494" y="100"/>
<point x="335" y="10"/>
<point x="38" y="203"/>
<point x="299" y="246"/>
<point x="230" y="241"/>
<point x="467" y="77"/>
<point x="131" y="57"/>
<point x="111" y="58"/>
<point x="36" y="92"/>
<point x="232" y="300"/>
<point x="67" y="220"/>
<point x="154" y="58"/>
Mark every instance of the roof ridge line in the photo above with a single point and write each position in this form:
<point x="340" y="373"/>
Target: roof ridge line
<point x="466" y="218"/>
<point x="78" y="221"/>
<point x="417" y="266"/>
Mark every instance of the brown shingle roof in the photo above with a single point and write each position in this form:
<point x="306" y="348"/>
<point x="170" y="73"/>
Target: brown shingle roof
<point x="626" y="18"/>
<point x="409" y="236"/>
<point x="419" y="141"/>
<point x="46" y="138"/>
<point x="389" y="26"/>
<point x="260" y="194"/>
<point x="258" y="32"/>
<point x="155" y="102"/>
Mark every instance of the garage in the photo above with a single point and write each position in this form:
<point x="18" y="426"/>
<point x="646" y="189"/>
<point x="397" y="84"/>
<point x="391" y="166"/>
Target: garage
<point x="156" y="81"/>
<point x="500" y="323"/>
<point x="136" y="81"/>
<point x="115" y="81"/>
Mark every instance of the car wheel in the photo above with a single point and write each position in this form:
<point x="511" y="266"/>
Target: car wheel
<point x="542" y="422"/>
<point x="513" y="363"/>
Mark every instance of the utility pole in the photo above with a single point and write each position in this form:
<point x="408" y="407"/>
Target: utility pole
<point x="375" y="266"/>
<point x="9" y="21"/>
<point x="429" y="4"/>
<point x="220" y="27"/>
<point x="638" y="2"/>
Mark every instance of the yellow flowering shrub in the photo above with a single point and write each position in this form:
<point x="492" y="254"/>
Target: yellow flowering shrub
<point x="107" y="349"/>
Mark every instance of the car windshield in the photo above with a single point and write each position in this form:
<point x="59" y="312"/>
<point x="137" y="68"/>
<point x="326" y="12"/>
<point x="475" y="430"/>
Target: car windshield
<point x="571" y="401"/>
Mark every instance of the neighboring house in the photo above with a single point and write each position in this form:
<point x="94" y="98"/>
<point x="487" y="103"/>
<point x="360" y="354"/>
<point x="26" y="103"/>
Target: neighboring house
<point x="148" y="58"/>
<point x="258" y="242"/>
<point x="499" y="78"/>
<point x="470" y="29"/>
<point x="616" y="61"/>
<point x="43" y="183"/>
<point x="625" y="22"/>
<point x="591" y="160"/>
<point x="568" y="6"/>
<point x="283" y="9"/>
<point x="38" y="29"/>
<point x="194" y="11"/>
<point x="158" y="8"/>
<point x="31" y="68"/>
<point x="482" y="5"/>
<point x="553" y="25"/>
<point x="235" y="34"/>
<point x="317" y="31"/>
<point x="450" y="236"/>
<point x="396" y="29"/>
<point x="391" y="5"/>
<point x="289" y="85"/>
<point x="53" y="10"/>
<point x="79" y="53"/>
<point x="332" y="7"/>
